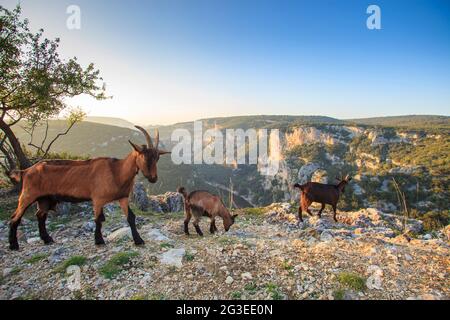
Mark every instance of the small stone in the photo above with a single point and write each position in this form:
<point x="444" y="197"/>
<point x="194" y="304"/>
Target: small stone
<point x="6" y="272"/>
<point x="427" y="237"/>
<point x="374" y="281"/>
<point x="120" y="234"/>
<point x="173" y="257"/>
<point x="155" y="234"/>
<point x="326" y="236"/>
<point x="246" y="276"/>
<point x="229" y="280"/>
<point x="33" y="240"/>
<point x="89" y="226"/>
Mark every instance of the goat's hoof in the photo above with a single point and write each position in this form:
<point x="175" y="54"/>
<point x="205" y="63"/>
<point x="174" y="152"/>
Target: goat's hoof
<point x="100" y="242"/>
<point x="14" y="246"/>
<point x="139" y="242"/>
<point x="48" y="240"/>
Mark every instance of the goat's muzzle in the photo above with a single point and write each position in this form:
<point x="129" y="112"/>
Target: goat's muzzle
<point x="152" y="179"/>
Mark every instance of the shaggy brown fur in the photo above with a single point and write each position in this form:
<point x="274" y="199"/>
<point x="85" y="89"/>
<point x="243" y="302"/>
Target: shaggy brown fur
<point x="321" y="193"/>
<point x="203" y="203"/>
<point x="100" y="180"/>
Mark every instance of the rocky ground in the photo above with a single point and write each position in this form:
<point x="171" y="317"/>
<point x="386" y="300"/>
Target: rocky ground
<point x="265" y="255"/>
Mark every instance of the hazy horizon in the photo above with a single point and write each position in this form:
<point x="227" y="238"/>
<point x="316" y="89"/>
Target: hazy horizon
<point x="175" y="61"/>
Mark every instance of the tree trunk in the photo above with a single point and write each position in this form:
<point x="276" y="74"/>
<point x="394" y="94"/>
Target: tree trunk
<point x="15" y="144"/>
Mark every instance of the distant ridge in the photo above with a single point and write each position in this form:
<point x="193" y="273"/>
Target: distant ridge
<point x="405" y="121"/>
<point x="118" y="122"/>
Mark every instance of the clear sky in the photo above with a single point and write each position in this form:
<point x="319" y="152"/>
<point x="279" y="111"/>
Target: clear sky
<point x="169" y="61"/>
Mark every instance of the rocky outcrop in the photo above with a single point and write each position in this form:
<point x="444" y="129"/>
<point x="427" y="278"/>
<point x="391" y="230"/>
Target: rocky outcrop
<point x="351" y="224"/>
<point x="139" y="197"/>
<point x="167" y="202"/>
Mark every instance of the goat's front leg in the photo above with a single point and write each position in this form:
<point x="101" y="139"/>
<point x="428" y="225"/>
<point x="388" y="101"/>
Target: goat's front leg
<point x="300" y="213"/>
<point x="321" y="209"/>
<point x="212" y="227"/>
<point x="197" y="227"/>
<point x="131" y="219"/>
<point x="99" y="218"/>
<point x="187" y="219"/>
<point x="334" y="213"/>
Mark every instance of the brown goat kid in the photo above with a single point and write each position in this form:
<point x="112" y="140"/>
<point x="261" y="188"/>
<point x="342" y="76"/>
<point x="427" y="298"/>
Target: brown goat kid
<point x="100" y="180"/>
<point x="203" y="203"/>
<point x="321" y="193"/>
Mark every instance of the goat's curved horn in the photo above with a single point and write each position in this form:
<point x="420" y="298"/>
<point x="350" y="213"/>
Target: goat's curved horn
<point x="156" y="138"/>
<point x="147" y="136"/>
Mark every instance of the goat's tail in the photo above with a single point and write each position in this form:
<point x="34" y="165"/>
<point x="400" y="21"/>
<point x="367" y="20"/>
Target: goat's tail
<point x="183" y="191"/>
<point x="299" y="186"/>
<point x="16" y="175"/>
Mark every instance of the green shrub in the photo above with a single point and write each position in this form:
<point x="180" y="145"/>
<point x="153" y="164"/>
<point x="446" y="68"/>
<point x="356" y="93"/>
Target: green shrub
<point x="339" y="294"/>
<point x="352" y="280"/>
<point x="236" y="295"/>
<point x="274" y="291"/>
<point x="37" y="257"/>
<point x="114" y="265"/>
<point x="72" y="261"/>
<point x="435" y="220"/>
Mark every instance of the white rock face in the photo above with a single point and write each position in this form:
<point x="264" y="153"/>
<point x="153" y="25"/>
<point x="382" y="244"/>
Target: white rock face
<point x="120" y="234"/>
<point x="304" y="135"/>
<point x="173" y="257"/>
<point x="306" y="172"/>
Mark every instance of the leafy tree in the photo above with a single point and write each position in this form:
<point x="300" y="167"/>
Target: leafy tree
<point x="34" y="83"/>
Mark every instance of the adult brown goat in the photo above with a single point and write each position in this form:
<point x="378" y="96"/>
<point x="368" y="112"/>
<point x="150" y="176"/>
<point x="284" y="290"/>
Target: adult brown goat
<point x="100" y="180"/>
<point x="321" y="193"/>
<point x="202" y="203"/>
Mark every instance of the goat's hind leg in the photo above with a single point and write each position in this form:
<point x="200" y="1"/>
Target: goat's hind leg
<point x="44" y="206"/>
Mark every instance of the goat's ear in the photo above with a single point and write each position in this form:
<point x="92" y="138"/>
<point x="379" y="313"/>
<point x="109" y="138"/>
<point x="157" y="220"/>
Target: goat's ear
<point x="161" y="152"/>
<point x="135" y="146"/>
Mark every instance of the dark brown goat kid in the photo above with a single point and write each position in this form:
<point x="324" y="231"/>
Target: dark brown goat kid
<point x="100" y="180"/>
<point x="203" y="203"/>
<point x="321" y="193"/>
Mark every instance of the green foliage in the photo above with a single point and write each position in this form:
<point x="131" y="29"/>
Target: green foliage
<point x="166" y="245"/>
<point x="37" y="257"/>
<point x="339" y="294"/>
<point x="435" y="220"/>
<point x="35" y="83"/>
<point x="188" y="256"/>
<point x="254" y="211"/>
<point x="236" y="295"/>
<point x="274" y="291"/>
<point x="114" y="265"/>
<point x="352" y="280"/>
<point x="251" y="288"/>
<point x="72" y="261"/>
